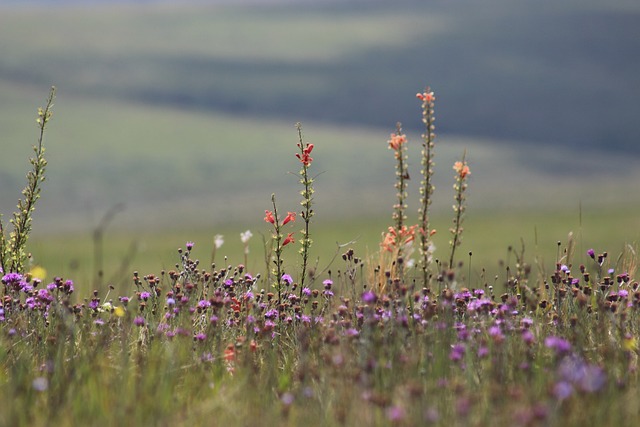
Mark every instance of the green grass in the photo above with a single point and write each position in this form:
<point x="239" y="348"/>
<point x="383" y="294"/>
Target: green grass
<point x="487" y="236"/>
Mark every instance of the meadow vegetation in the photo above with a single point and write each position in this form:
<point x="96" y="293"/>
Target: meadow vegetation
<point x="410" y="332"/>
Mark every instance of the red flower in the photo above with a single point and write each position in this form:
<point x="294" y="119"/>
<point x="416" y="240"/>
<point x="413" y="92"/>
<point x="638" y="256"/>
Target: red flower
<point x="291" y="216"/>
<point x="230" y="353"/>
<point x="268" y="217"/>
<point x="288" y="240"/>
<point x="305" y="157"/>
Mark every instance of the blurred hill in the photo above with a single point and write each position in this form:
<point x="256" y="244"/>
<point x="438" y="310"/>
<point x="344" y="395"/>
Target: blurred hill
<point x="560" y="72"/>
<point x="185" y="110"/>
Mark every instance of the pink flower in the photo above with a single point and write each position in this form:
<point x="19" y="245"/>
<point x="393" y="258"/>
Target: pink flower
<point x="396" y="141"/>
<point x="462" y="169"/>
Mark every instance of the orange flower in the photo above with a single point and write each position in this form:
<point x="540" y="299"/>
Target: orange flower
<point x="396" y="141"/>
<point x="389" y="241"/>
<point x="408" y="234"/>
<point x="291" y="216"/>
<point x="268" y="217"/>
<point x="427" y="97"/>
<point x="288" y="240"/>
<point x="461" y="169"/>
<point x="230" y="353"/>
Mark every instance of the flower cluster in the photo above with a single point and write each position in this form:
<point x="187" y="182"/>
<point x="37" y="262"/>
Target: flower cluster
<point x="305" y="156"/>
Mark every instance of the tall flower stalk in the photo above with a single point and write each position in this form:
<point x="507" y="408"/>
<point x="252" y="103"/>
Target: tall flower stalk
<point x="462" y="174"/>
<point x="13" y="255"/>
<point x="307" y="201"/>
<point x="426" y="184"/>
<point x="398" y="143"/>
<point x="279" y="240"/>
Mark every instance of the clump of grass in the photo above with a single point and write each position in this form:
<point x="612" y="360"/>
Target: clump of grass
<point x="192" y="343"/>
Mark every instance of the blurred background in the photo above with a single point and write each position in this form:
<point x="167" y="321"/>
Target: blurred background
<point x="174" y="121"/>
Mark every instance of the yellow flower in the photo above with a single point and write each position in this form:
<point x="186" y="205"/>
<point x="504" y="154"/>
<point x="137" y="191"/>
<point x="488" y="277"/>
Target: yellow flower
<point x="118" y="311"/>
<point x="629" y="343"/>
<point x="38" y="272"/>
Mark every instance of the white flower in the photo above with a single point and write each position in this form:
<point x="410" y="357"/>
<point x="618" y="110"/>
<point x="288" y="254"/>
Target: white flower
<point x="218" y="240"/>
<point x="244" y="237"/>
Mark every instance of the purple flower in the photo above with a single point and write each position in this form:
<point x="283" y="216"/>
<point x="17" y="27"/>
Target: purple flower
<point x="44" y="296"/>
<point x="189" y="245"/>
<point x="328" y="283"/>
<point x="395" y="413"/>
<point x="171" y="301"/>
<point x="591" y="253"/>
<point x="68" y="287"/>
<point x="204" y="304"/>
<point x="562" y="390"/>
<point x="587" y="377"/>
<point x="369" y="297"/>
<point x="144" y="295"/>
<point x="200" y="337"/>
<point x="528" y="337"/>
<point x="271" y="314"/>
<point x="306" y="291"/>
<point x="559" y="345"/>
<point x="139" y="321"/>
<point x="286" y="279"/>
<point x="351" y="332"/>
<point x="457" y="352"/>
<point x="287" y="399"/>
<point x="11" y="278"/>
<point x="483" y="352"/>
<point x="94" y="303"/>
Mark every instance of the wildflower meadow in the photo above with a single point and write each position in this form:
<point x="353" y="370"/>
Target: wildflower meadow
<point x="403" y="336"/>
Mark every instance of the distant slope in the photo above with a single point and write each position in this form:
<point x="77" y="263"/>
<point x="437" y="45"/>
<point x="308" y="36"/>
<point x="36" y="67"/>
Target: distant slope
<point x="560" y="72"/>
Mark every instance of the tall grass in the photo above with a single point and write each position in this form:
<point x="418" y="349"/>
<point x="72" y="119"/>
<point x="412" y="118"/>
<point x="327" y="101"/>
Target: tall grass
<point x="376" y="343"/>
